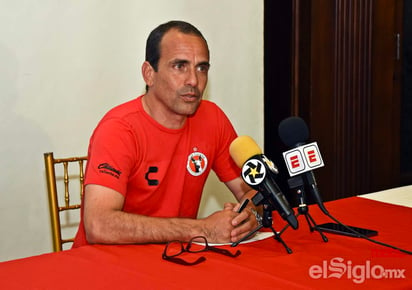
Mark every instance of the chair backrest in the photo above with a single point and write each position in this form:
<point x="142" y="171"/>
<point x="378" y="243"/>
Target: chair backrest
<point x="58" y="175"/>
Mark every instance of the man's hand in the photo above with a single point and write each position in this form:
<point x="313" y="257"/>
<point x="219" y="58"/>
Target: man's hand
<point x="243" y="223"/>
<point x="218" y="226"/>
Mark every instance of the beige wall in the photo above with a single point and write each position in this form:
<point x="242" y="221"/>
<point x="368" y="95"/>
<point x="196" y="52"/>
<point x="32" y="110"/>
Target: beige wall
<point x="63" y="64"/>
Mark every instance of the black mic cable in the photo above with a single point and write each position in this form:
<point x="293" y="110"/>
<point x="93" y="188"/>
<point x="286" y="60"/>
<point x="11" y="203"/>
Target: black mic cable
<point x="359" y="235"/>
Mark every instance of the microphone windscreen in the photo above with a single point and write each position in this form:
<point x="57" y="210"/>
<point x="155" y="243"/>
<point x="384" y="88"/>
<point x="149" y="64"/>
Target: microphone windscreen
<point x="242" y="148"/>
<point x="293" y="130"/>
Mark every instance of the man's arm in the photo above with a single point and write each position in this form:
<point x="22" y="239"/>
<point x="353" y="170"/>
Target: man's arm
<point x="240" y="189"/>
<point x="105" y="222"/>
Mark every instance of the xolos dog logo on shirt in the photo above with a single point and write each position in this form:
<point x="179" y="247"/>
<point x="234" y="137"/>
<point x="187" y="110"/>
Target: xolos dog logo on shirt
<point x="196" y="163"/>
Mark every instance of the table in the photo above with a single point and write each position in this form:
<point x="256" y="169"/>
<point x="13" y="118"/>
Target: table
<point x="342" y="262"/>
<point x="399" y="195"/>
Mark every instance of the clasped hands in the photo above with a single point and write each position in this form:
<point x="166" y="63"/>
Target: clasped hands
<point x="229" y="226"/>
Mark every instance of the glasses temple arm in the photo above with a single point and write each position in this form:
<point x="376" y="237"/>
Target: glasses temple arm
<point x="183" y="262"/>
<point x="223" y="251"/>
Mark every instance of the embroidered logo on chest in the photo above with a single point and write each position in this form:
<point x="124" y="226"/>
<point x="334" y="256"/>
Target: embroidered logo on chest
<point x="196" y="163"/>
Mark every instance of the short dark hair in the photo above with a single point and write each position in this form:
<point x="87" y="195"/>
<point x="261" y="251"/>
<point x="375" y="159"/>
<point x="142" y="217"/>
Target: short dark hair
<point x="155" y="37"/>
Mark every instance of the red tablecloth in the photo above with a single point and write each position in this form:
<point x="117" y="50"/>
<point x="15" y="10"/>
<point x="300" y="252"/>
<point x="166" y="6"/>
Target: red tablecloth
<point x="343" y="262"/>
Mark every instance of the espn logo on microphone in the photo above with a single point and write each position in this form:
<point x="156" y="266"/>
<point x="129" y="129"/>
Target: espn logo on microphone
<point x="303" y="158"/>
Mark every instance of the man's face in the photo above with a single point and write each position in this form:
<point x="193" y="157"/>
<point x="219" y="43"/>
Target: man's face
<point x="181" y="77"/>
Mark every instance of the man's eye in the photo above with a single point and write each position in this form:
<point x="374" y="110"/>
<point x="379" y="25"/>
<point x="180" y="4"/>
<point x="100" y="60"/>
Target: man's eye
<point x="179" y="66"/>
<point x="203" y="68"/>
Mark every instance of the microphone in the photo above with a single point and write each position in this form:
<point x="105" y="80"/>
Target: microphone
<point x="258" y="172"/>
<point x="294" y="132"/>
<point x="302" y="158"/>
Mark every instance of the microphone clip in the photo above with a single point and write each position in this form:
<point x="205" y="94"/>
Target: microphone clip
<point x="297" y="185"/>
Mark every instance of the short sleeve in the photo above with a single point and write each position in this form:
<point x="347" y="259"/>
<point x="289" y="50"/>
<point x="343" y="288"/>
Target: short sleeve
<point x="112" y="154"/>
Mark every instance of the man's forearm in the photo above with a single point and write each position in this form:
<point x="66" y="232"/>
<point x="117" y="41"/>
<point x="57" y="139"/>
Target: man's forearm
<point x="118" y="227"/>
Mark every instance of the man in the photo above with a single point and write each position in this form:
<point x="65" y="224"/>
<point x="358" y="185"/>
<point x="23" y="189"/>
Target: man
<point x="149" y="158"/>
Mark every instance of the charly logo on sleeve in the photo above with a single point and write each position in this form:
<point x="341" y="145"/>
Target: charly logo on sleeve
<point x="196" y="163"/>
<point x="108" y="169"/>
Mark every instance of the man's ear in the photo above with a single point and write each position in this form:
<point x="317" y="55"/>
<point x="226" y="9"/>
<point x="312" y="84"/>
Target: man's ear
<point x="147" y="73"/>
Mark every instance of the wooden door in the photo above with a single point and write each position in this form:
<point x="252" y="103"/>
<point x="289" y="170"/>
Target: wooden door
<point x="344" y="81"/>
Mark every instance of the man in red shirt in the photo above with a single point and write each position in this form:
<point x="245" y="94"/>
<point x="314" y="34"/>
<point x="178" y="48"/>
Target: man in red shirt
<point x="149" y="158"/>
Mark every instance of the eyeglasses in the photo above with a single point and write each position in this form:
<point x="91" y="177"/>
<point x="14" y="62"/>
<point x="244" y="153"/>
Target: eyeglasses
<point x="195" y="245"/>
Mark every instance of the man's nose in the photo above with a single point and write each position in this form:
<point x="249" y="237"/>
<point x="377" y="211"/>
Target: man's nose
<point x="192" y="78"/>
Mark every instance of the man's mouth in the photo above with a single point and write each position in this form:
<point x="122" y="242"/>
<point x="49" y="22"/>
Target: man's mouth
<point x="190" y="97"/>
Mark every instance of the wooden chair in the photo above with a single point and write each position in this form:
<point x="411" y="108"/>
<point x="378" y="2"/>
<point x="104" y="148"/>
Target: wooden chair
<point x="58" y="175"/>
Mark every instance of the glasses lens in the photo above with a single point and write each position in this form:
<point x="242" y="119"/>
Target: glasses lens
<point x="173" y="248"/>
<point x="197" y="244"/>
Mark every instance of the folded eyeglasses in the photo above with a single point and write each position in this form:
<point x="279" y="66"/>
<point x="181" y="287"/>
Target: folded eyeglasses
<point x="195" y="245"/>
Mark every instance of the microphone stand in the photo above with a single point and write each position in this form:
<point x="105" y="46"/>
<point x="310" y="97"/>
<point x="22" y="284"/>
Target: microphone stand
<point x="296" y="183"/>
<point x="265" y="221"/>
